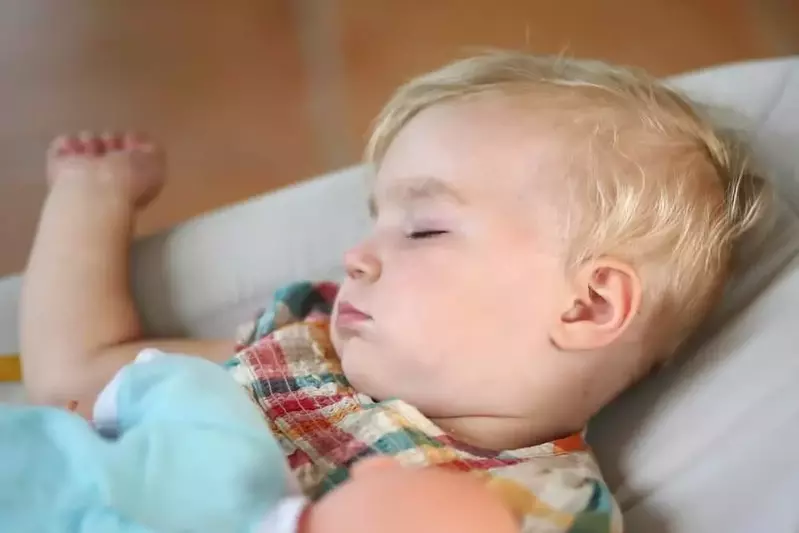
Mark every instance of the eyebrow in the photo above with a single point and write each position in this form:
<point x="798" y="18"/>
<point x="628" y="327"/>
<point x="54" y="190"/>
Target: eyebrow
<point x="406" y="191"/>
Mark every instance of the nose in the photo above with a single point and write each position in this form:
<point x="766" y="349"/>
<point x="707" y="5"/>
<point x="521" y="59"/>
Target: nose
<point x="362" y="264"/>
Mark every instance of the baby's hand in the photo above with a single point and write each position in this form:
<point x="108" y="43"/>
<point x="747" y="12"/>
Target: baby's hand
<point x="129" y="164"/>
<point x="383" y="496"/>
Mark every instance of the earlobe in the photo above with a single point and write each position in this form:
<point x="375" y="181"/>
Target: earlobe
<point x="605" y="299"/>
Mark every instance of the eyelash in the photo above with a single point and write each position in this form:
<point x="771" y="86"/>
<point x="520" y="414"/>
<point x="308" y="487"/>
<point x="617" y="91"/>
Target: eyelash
<point x="425" y="234"/>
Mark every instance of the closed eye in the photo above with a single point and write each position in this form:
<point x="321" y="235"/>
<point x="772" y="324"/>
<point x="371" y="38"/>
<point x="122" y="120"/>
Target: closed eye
<point x="426" y="234"/>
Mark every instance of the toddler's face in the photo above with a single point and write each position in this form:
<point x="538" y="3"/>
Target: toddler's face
<point x="448" y="303"/>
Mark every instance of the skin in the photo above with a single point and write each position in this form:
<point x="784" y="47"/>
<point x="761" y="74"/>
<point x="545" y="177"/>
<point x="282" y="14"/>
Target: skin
<point x="382" y="496"/>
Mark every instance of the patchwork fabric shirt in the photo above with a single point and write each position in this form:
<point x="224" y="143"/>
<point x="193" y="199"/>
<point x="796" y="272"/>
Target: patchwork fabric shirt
<point x="287" y="362"/>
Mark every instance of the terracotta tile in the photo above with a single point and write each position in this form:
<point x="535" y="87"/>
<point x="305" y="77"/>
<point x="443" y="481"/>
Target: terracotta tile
<point x="387" y="42"/>
<point x="221" y="83"/>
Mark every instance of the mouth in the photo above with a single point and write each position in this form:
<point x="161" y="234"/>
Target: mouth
<point x="350" y="317"/>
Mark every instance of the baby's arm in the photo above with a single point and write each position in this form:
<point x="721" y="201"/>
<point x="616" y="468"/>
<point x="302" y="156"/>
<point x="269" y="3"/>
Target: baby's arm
<point x="79" y="325"/>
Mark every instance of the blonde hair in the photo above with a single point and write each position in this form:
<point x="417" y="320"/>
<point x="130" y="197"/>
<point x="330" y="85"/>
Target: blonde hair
<point x="657" y="185"/>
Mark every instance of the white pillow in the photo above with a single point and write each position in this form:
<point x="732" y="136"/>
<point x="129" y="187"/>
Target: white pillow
<point x="709" y="444"/>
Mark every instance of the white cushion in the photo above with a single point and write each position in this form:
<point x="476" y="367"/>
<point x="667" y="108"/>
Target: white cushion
<point x="211" y="274"/>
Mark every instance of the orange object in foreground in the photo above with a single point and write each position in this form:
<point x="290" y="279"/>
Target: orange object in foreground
<point x="9" y="368"/>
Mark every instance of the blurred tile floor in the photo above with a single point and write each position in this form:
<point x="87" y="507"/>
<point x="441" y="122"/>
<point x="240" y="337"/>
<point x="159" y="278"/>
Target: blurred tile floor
<point x="251" y="95"/>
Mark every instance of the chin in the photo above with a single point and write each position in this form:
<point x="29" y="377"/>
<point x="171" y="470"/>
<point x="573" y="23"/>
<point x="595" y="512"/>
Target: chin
<point x="359" y="377"/>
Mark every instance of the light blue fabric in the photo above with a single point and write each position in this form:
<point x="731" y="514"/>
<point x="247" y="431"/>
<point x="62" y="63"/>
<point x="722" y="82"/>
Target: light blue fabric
<point x="192" y="454"/>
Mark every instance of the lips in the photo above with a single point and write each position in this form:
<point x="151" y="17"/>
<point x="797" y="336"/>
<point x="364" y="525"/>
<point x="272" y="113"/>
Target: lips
<point x="350" y="317"/>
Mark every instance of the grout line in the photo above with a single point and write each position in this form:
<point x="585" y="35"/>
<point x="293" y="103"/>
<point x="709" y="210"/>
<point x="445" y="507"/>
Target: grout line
<point x="319" y="35"/>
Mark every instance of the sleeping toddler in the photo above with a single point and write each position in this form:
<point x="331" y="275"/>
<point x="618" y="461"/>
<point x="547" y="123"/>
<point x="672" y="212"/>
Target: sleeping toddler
<point x="545" y="232"/>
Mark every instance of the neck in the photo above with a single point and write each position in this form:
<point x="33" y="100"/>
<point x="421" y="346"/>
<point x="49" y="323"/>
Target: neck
<point x="494" y="433"/>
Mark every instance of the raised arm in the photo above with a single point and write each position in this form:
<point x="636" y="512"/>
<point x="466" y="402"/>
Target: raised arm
<point x="79" y="325"/>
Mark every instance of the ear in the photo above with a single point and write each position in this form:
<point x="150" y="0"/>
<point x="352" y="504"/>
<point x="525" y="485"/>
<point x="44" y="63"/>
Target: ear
<point x="604" y="300"/>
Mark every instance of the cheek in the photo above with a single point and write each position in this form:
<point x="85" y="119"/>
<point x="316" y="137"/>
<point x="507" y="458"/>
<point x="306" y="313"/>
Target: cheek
<point x="437" y="276"/>
<point x="431" y="294"/>
<point x="426" y="292"/>
<point x="430" y="336"/>
<point x="440" y="305"/>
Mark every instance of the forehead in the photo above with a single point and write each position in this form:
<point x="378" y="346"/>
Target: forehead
<point x="487" y="147"/>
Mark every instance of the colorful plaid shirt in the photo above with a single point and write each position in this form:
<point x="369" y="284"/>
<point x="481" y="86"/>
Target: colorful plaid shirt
<point x="287" y="362"/>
